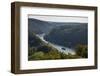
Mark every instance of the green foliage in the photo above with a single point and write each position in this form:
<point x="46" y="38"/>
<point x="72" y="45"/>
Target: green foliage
<point x="47" y="52"/>
<point x="69" y="56"/>
<point x="50" y="55"/>
<point x="53" y="54"/>
<point x="37" y="56"/>
<point x="81" y="50"/>
<point x="31" y="50"/>
<point x="43" y="51"/>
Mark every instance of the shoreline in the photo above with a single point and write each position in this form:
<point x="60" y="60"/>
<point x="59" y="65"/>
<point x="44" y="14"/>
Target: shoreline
<point x="58" y="47"/>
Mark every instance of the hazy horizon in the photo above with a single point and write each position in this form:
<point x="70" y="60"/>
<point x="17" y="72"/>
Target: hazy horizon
<point x="60" y="18"/>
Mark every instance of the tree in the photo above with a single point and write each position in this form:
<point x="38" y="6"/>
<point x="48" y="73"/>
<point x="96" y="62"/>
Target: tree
<point x="31" y="50"/>
<point x="37" y="56"/>
<point x="81" y="50"/>
<point x="54" y="54"/>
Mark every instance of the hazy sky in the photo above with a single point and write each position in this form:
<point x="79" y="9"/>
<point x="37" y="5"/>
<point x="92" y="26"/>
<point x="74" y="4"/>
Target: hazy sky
<point x="60" y="18"/>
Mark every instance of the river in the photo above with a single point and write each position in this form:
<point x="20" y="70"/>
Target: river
<point x="58" y="47"/>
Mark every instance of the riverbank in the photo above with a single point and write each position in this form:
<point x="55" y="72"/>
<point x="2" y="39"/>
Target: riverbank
<point x="58" y="47"/>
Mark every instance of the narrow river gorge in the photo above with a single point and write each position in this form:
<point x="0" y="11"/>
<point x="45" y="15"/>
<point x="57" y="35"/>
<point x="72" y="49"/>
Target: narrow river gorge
<point x="58" y="47"/>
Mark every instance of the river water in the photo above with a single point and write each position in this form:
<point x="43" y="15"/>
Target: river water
<point x="58" y="47"/>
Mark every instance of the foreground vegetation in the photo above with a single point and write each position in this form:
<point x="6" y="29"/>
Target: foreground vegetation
<point x="46" y="52"/>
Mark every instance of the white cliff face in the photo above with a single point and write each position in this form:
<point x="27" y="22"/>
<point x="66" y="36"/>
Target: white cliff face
<point x="58" y="47"/>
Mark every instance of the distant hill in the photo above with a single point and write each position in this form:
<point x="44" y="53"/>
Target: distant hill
<point x="62" y="33"/>
<point x="38" y="26"/>
<point x="68" y="36"/>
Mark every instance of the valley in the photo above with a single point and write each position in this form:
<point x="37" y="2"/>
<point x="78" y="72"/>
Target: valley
<point x="56" y="40"/>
